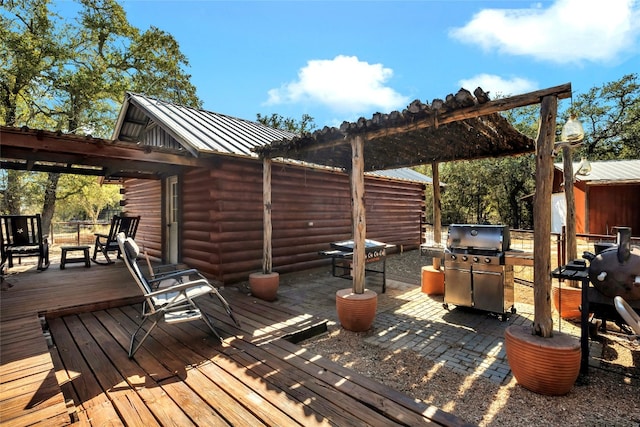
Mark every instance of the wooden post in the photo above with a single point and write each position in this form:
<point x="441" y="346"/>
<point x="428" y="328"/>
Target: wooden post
<point x="542" y="320"/>
<point x="437" y="212"/>
<point x="359" y="217"/>
<point x="571" y="247"/>
<point x="266" y="197"/>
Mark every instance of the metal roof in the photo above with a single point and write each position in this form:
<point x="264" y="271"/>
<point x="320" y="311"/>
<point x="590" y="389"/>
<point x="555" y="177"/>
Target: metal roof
<point x="197" y="131"/>
<point x="404" y="174"/>
<point x="610" y="171"/>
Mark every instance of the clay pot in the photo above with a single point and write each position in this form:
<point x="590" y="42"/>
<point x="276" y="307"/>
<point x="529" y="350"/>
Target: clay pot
<point x="356" y="312"/>
<point x="567" y="301"/>
<point x="548" y="366"/>
<point x="264" y="285"/>
<point x="432" y="280"/>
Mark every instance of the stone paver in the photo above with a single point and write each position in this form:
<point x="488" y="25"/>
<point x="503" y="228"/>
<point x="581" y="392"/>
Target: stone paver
<point x="467" y="341"/>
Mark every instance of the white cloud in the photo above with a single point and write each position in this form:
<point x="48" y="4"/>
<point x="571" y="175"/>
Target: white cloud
<point x="497" y="86"/>
<point x="569" y="31"/>
<point x="344" y="84"/>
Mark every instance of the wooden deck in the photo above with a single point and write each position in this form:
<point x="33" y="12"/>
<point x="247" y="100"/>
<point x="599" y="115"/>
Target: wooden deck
<point x="182" y="375"/>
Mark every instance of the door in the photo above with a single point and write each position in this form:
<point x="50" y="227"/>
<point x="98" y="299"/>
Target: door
<point x="172" y="212"/>
<point x="457" y="283"/>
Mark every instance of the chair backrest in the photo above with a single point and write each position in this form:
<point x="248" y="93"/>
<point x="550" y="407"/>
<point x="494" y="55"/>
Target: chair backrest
<point x="21" y="230"/>
<point x="131" y="251"/>
<point x="123" y="224"/>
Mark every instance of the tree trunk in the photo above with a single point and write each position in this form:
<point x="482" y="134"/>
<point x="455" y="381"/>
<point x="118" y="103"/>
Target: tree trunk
<point x="49" y="205"/>
<point x="571" y="247"/>
<point x="359" y="217"/>
<point x="12" y="193"/>
<point x="542" y="320"/>
<point x="267" y="262"/>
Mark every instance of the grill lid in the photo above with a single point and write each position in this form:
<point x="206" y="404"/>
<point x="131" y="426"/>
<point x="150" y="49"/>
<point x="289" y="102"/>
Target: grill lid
<point x="481" y="237"/>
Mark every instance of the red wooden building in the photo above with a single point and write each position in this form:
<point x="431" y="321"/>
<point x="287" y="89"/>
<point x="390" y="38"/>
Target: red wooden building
<point x="607" y="197"/>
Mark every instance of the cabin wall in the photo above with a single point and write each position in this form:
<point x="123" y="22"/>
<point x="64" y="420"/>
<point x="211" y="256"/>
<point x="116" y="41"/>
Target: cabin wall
<point x="222" y="216"/>
<point x="144" y="197"/>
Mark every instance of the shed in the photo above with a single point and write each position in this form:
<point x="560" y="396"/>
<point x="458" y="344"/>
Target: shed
<point x="606" y="197"/>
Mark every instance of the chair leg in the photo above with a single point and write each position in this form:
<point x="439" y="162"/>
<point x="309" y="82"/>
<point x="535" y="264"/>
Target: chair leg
<point x="132" y="349"/>
<point x="226" y="306"/>
<point x="209" y="323"/>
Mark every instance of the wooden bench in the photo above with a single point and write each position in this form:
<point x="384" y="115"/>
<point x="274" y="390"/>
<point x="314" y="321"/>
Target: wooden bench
<point x="84" y="258"/>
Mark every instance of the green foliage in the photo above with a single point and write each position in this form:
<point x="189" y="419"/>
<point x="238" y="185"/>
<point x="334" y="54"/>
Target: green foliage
<point x="276" y="121"/>
<point x="610" y="115"/>
<point x="71" y="75"/>
<point x="83" y="197"/>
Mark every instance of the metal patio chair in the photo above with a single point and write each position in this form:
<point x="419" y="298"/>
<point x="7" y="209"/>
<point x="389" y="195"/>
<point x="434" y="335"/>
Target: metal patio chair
<point x="628" y="314"/>
<point x="169" y="297"/>
<point x="21" y="236"/>
<point x="106" y="243"/>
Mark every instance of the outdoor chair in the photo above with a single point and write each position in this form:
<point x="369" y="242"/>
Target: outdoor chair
<point x="628" y="314"/>
<point x="22" y="237"/>
<point x="106" y="243"/>
<point x="169" y="297"/>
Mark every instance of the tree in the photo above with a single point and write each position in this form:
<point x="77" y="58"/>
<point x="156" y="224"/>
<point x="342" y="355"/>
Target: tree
<point x="72" y="76"/>
<point x="611" y="116"/>
<point x="84" y="196"/>
<point x="276" y="121"/>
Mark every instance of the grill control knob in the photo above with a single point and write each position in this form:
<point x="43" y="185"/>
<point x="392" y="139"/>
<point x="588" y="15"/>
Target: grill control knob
<point x="487" y="260"/>
<point x="464" y="257"/>
<point x="476" y="259"/>
<point x="453" y="257"/>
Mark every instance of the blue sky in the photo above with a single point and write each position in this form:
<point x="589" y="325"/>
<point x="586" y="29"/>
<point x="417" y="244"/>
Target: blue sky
<point x="343" y="60"/>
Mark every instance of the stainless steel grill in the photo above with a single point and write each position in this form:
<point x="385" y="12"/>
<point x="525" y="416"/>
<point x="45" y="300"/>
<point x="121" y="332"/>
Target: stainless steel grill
<point x="475" y="274"/>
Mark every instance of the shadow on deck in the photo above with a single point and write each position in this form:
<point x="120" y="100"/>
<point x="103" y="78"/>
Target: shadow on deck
<point x="182" y="375"/>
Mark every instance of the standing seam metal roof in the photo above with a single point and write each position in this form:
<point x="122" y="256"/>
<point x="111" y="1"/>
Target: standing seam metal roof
<point x="609" y="171"/>
<point x="200" y="130"/>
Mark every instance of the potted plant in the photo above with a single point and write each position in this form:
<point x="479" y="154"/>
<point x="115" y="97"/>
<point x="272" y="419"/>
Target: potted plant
<point x="542" y="360"/>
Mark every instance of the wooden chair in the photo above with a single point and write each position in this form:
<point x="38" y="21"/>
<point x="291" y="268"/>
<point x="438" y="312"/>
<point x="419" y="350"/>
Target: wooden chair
<point x="168" y="297"/>
<point x="106" y="243"/>
<point x="22" y="237"/>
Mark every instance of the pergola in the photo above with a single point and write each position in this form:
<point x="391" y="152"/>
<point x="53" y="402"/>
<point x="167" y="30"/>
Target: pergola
<point x="461" y="127"/>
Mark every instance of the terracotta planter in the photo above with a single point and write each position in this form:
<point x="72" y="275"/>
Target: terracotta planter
<point x="432" y="280"/>
<point x="567" y="301"/>
<point x="264" y="285"/>
<point x="548" y="366"/>
<point x="356" y="312"/>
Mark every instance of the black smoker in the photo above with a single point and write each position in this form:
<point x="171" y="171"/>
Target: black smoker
<point x="475" y="274"/>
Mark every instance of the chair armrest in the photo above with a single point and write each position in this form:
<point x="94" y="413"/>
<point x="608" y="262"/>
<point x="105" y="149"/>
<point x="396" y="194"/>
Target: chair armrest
<point x="104" y="236"/>
<point x="173" y="274"/>
<point x="179" y="287"/>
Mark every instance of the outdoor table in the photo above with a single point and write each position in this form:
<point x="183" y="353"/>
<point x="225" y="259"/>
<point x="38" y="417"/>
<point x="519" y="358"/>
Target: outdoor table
<point x="84" y="258"/>
<point x="341" y="255"/>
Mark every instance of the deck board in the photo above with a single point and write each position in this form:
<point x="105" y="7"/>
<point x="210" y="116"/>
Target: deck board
<point x="182" y="375"/>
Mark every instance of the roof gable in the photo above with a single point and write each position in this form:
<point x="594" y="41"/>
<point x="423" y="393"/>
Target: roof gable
<point x="154" y="122"/>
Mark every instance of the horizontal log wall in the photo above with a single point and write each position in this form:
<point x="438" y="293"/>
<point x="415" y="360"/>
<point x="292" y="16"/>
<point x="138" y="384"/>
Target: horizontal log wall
<point x="222" y="209"/>
<point x="144" y="198"/>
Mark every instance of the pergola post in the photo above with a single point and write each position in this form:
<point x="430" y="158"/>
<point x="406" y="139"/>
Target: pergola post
<point x="267" y="227"/>
<point x="542" y="321"/>
<point x="437" y="212"/>
<point x="359" y="222"/>
<point x="571" y="247"/>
